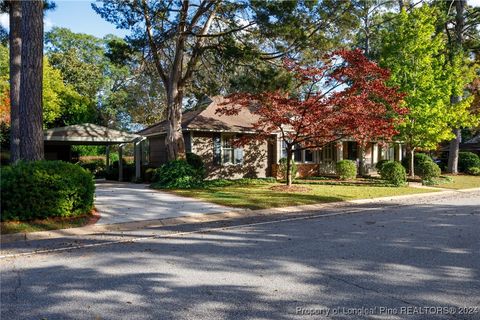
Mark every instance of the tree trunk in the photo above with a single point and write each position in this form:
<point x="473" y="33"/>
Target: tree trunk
<point x="455" y="142"/>
<point x="289" y="166"/>
<point x="453" y="152"/>
<point x="31" y="80"/>
<point x="174" y="139"/>
<point x="15" y="65"/>
<point x="361" y="160"/>
<point x="411" y="165"/>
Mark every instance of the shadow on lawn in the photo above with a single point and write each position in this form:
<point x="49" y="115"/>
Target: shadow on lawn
<point x="425" y="255"/>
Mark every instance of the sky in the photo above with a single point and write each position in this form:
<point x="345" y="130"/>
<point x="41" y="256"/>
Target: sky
<point x="78" y="16"/>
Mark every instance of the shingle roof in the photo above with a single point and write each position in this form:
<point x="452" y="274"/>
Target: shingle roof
<point x="88" y="133"/>
<point x="205" y="119"/>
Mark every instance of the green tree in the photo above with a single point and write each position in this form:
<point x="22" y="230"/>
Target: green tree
<point x="460" y="25"/>
<point x="413" y="51"/>
<point x="177" y="36"/>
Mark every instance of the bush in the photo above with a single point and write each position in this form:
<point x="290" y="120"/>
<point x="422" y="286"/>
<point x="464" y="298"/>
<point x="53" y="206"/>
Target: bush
<point x="282" y="168"/>
<point x="96" y="166"/>
<point x="418" y="158"/>
<point x="197" y="163"/>
<point x="394" y="173"/>
<point x="380" y="164"/>
<point x="429" y="171"/>
<point x="467" y="160"/>
<point x="42" y="189"/>
<point x="474" y="171"/>
<point x="177" y="174"/>
<point x="346" y="169"/>
<point x="148" y="174"/>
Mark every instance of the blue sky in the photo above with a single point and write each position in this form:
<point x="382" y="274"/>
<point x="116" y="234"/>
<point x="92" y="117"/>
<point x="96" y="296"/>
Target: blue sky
<point x="80" y="17"/>
<point x="77" y="16"/>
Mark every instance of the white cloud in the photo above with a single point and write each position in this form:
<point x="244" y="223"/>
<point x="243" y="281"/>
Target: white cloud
<point x="4" y="20"/>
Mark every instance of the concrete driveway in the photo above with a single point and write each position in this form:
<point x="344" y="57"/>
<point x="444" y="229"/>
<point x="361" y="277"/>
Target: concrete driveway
<point x="127" y="202"/>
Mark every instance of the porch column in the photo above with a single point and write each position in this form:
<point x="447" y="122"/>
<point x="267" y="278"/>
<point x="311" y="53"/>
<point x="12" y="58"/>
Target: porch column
<point x="339" y="151"/>
<point x="120" y="162"/>
<point x="137" y="146"/>
<point x="374" y="153"/>
<point x="107" y="158"/>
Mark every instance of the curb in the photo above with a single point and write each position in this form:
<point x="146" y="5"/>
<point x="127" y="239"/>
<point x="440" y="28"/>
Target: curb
<point x="207" y="217"/>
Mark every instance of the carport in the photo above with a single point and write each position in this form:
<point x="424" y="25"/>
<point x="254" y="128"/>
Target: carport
<point x="61" y="139"/>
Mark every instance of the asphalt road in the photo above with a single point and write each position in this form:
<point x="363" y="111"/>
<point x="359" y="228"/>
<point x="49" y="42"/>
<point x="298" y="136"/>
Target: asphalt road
<point x="419" y="260"/>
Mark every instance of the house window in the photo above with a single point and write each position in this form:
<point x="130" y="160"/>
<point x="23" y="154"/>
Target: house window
<point x="299" y="156"/>
<point x="308" y="156"/>
<point x="284" y="149"/>
<point x="227" y="150"/>
<point x="230" y="154"/>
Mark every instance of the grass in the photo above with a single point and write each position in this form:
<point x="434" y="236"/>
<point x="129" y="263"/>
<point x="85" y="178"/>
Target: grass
<point x="260" y="196"/>
<point x="461" y="182"/>
<point x="7" y="227"/>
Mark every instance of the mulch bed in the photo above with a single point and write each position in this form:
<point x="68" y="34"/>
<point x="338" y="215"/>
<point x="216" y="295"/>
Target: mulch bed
<point x="285" y="188"/>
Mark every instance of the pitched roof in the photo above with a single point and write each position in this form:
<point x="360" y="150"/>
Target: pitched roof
<point x="204" y="118"/>
<point x="88" y="133"/>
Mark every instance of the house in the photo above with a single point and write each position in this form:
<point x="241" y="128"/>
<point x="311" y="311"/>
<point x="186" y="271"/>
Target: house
<point x="210" y="136"/>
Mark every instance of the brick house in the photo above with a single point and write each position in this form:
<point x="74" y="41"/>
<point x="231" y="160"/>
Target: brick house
<point x="210" y="136"/>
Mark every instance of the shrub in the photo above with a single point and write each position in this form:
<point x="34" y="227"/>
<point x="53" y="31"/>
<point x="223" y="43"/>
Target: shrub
<point x="380" y="164"/>
<point x="177" y="174"/>
<point x="41" y="189"/>
<point x="418" y="158"/>
<point x="474" y="171"/>
<point x="95" y="166"/>
<point x="282" y="168"/>
<point x="467" y="160"/>
<point x="394" y="173"/>
<point x="429" y="171"/>
<point x="148" y="174"/>
<point x="346" y="169"/>
<point x="197" y="163"/>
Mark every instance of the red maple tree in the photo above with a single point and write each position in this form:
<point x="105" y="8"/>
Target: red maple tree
<point x="346" y="97"/>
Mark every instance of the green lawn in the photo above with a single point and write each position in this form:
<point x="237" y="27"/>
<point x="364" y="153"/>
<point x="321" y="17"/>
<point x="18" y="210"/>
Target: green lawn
<point x="260" y="196"/>
<point x="46" y="224"/>
<point x="461" y="182"/>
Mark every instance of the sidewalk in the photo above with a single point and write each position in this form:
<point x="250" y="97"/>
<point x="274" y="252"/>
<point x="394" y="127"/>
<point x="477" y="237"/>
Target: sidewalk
<point x="219" y="216"/>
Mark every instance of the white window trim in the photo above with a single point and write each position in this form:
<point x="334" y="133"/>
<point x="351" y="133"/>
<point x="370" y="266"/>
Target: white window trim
<point x="222" y="153"/>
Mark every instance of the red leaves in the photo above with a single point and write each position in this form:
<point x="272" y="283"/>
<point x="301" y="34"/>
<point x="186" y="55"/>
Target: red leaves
<point x="346" y="96"/>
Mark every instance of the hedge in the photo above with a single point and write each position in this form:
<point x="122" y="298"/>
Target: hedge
<point x="418" y="159"/>
<point x="346" y="169"/>
<point x="467" y="160"/>
<point x="42" y="189"/>
<point x="394" y="173"/>
<point x="177" y="174"/>
<point x="429" y="172"/>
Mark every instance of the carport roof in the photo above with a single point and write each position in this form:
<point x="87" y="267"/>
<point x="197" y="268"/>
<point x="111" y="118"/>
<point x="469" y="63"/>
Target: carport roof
<point x="88" y="133"/>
